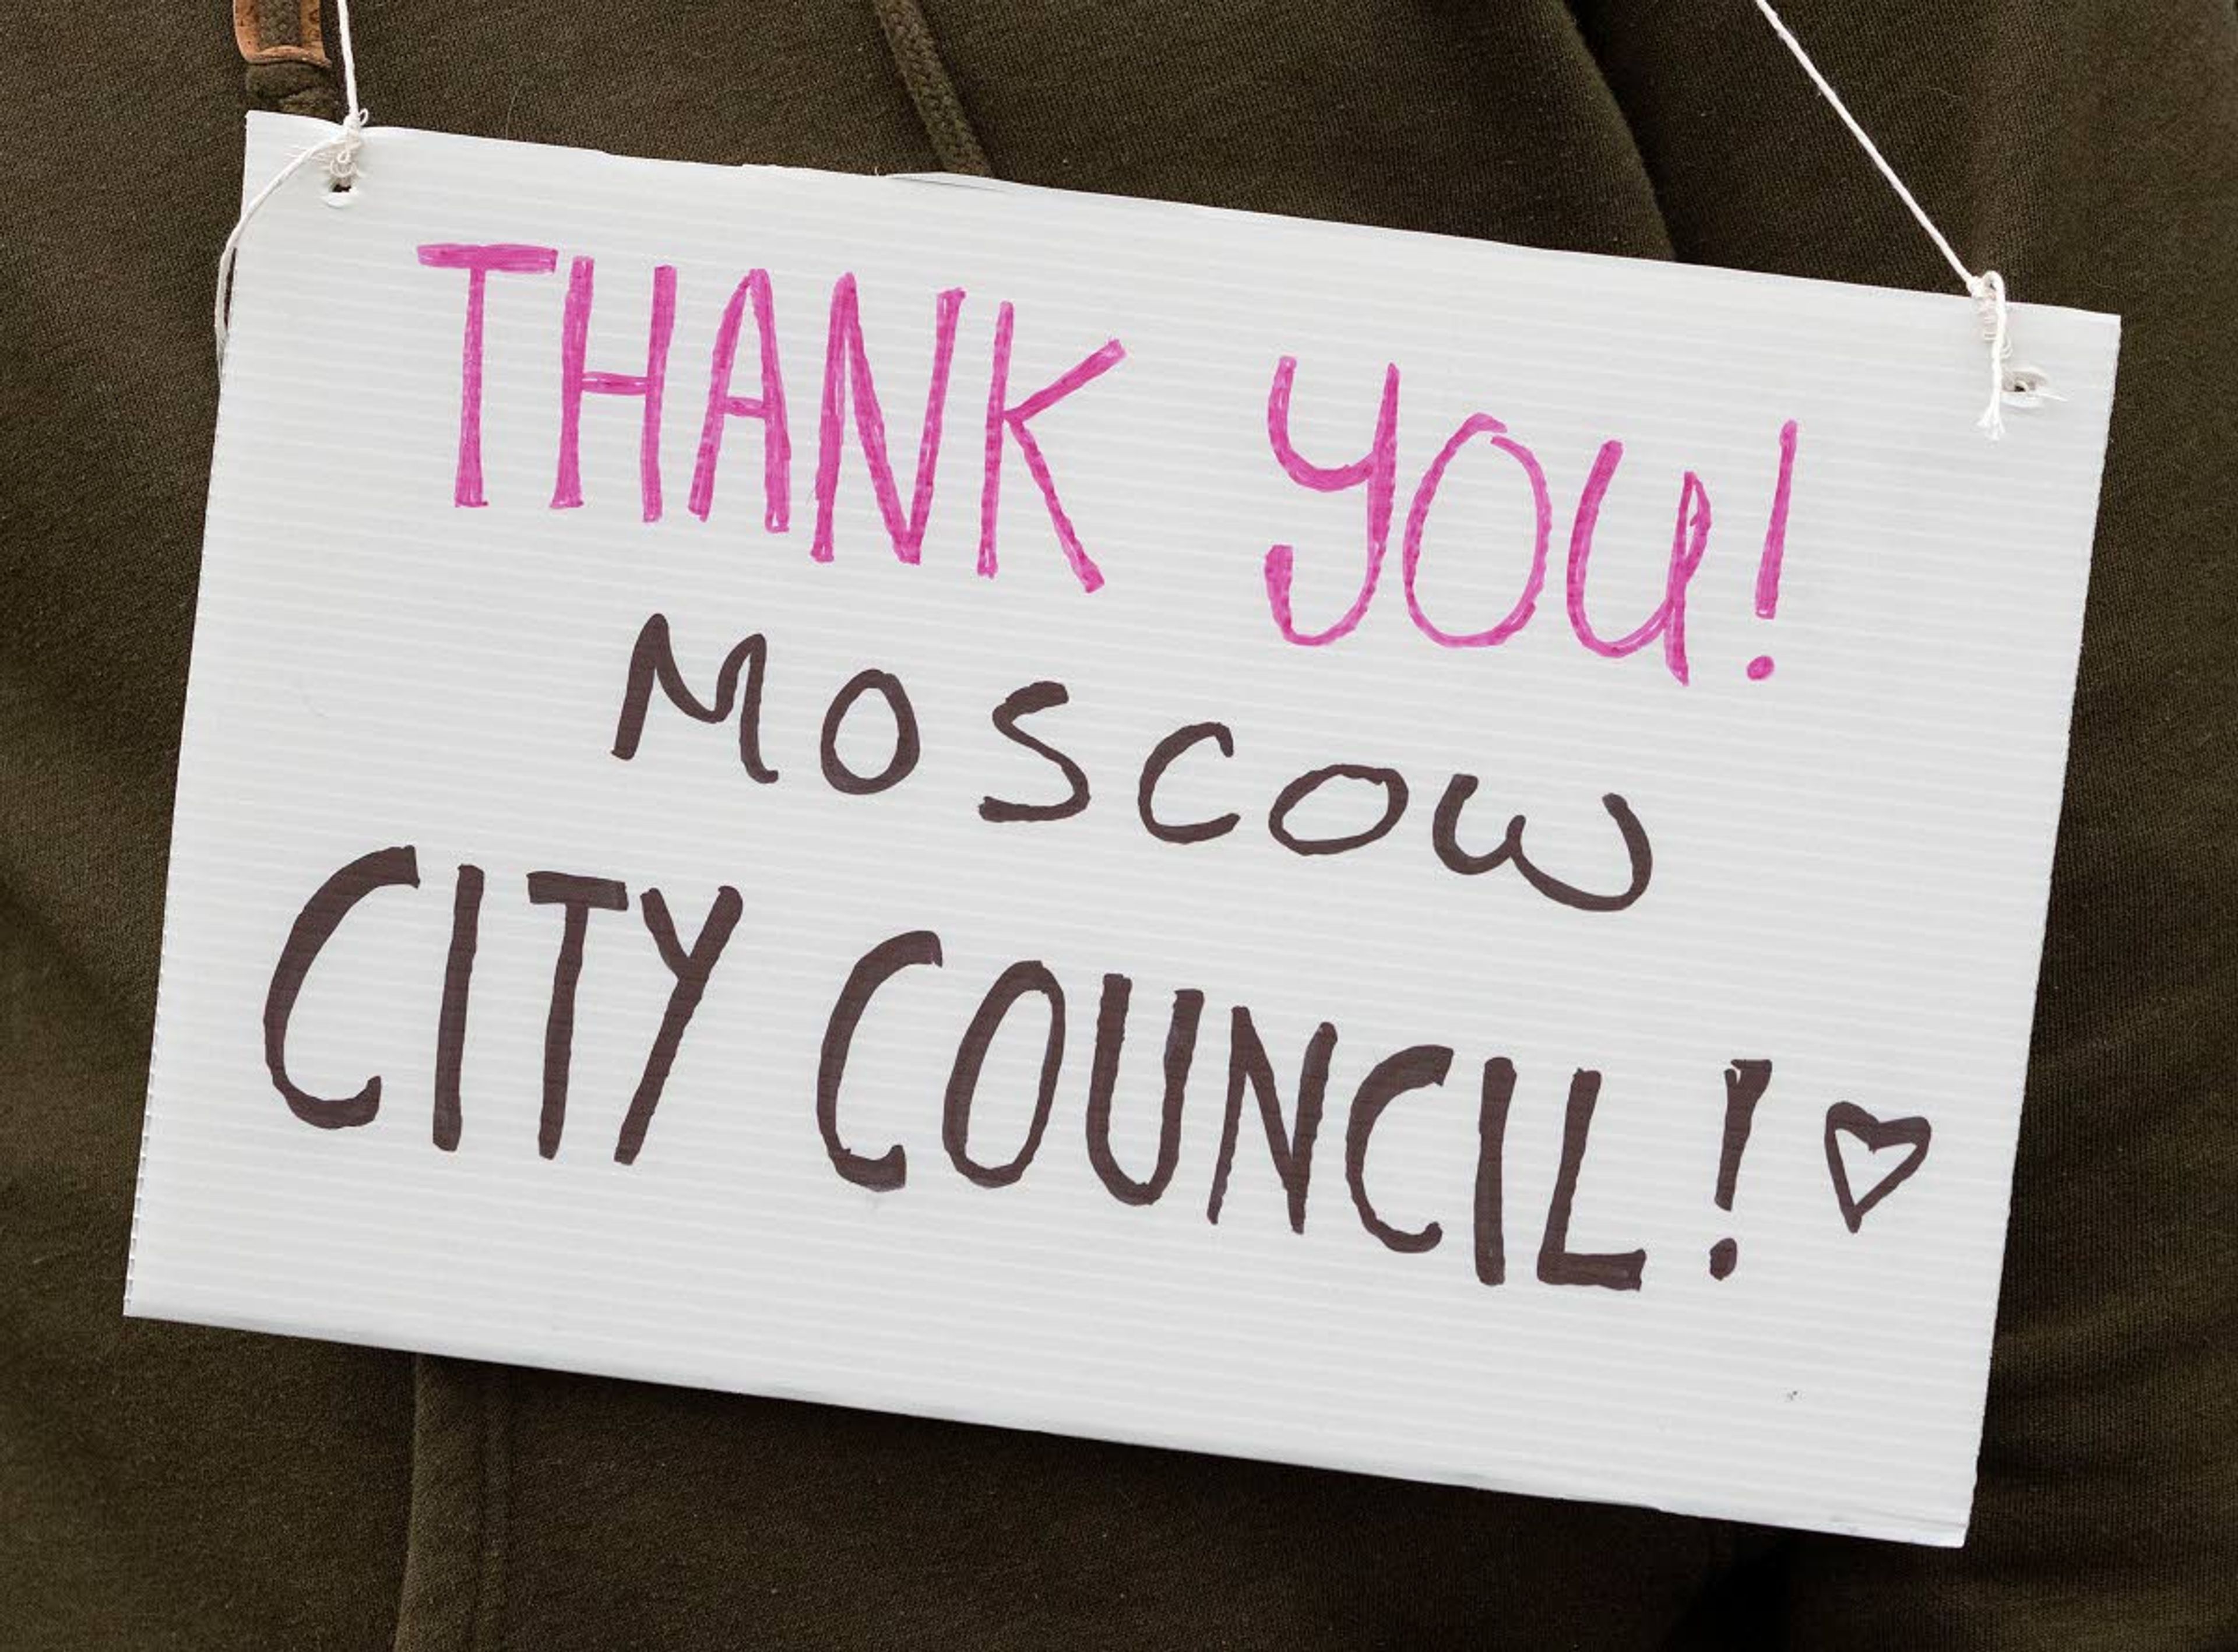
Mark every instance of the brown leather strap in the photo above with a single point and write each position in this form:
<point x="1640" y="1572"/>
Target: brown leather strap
<point x="285" y="47"/>
<point x="279" y="31"/>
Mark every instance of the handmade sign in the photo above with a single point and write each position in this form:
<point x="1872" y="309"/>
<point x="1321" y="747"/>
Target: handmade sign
<point x="1336" y="846"/>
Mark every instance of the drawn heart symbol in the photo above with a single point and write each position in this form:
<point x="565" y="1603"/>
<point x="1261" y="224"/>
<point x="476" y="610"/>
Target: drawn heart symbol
<point x="1845" y="1118"/>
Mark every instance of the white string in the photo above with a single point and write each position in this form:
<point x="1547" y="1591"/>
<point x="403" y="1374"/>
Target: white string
<point x="349" y="61"/>
<point x="341" y="154"/>
<point x="2024" y="387"/>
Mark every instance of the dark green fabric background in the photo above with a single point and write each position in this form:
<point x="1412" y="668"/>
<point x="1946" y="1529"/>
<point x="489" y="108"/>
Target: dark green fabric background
<point x="162" y="1486"/>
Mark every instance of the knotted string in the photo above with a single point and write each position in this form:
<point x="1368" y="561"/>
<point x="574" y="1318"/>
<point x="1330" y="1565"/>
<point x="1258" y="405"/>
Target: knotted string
<point x="2023" y="386"/>
<point x="339" y="152"/>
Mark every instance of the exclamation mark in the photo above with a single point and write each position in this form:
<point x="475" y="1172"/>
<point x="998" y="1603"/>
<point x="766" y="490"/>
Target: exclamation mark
<point x="1775" y="546"/>
<point x="1745" y="1082"/>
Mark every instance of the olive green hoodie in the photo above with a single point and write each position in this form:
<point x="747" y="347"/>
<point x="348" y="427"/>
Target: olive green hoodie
<point x="166" y="1486"/>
